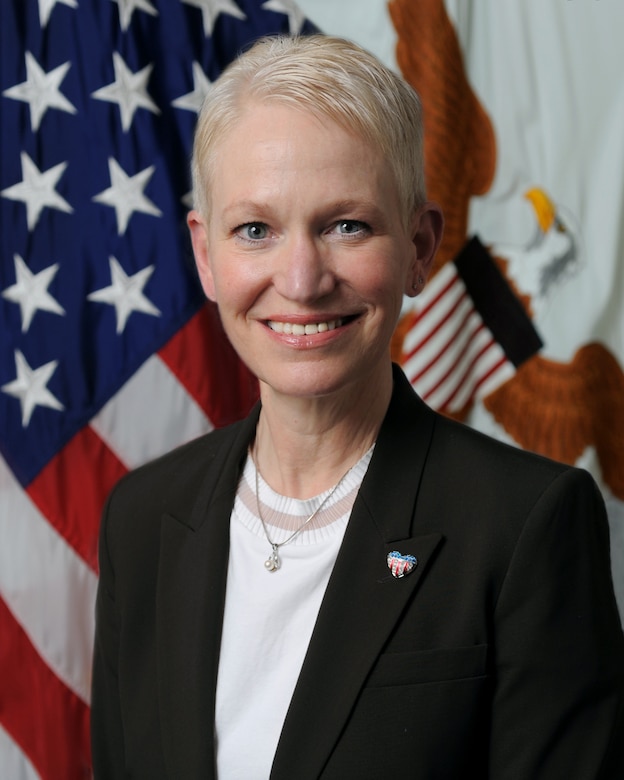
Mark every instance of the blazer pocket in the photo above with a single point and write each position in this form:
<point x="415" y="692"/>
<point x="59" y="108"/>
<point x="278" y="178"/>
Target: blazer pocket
<point x="414" y="668"/>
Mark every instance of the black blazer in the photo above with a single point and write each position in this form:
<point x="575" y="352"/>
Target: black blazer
<point x="500" y="656"/>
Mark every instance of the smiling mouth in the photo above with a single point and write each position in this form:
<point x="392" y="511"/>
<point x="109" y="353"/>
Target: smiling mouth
<point x="307" y="329"/>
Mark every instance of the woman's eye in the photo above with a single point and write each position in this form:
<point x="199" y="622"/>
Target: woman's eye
<point x="351" y="227"/>
<point x="253" y="231"/>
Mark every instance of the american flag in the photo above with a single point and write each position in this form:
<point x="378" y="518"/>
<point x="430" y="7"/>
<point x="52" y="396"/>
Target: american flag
<point x="109" y="353"/>
<point x="466" y="334"/>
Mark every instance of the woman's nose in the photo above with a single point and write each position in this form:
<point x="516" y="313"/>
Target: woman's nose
<point x="305" y="272"/>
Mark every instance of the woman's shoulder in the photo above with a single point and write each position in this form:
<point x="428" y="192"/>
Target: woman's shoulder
<point x="188" y="459"/>
<point x="496" y="474"/>
<point x="460" y="450"/>
<point x="477" y="450"/>
<point x="171" y="482"/>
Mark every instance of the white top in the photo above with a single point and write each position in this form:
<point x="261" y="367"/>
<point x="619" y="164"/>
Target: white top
<point x="269" y="616"/>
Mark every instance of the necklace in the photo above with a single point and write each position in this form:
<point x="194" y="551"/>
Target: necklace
<point x="273" y="562"/>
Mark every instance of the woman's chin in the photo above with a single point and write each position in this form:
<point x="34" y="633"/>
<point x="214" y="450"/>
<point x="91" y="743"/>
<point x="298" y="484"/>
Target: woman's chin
<point x="318" y="380"/>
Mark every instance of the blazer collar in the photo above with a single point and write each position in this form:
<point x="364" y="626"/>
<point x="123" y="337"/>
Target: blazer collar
<point x="362" y="603"/>
<point x="190" y="602"/>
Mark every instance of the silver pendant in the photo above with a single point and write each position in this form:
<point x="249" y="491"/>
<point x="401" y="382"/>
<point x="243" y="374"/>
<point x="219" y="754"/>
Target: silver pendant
<point x="273" y="562"/>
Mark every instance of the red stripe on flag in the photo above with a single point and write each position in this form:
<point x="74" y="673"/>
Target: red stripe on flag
<point x="463" y="380"/>
<point x="47" y="720"/>
<point x="437" y="326"/>
<point x="71" y="490"/>
<point x="203" y="360"/>
<point x="460" y="381"/>
<point x="440" y="294"/>
<point x="496" y="367"/>
<point x="456" y="337"/>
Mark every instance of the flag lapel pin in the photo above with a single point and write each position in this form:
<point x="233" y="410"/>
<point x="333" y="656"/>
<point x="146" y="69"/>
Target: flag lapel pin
<point x="400" y="565"/>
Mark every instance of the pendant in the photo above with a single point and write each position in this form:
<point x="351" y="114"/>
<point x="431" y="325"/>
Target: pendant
<point x="273" y="562"/>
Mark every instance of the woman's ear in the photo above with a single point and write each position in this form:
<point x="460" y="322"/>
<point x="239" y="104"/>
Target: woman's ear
<point x="427" y="228"/>
<point x="199" y="240"/>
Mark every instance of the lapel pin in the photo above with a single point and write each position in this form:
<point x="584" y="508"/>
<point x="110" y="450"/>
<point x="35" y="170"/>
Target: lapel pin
<point x="400" y="565"/>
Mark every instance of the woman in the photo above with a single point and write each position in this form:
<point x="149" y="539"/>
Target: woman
<point x="345" y="584"/>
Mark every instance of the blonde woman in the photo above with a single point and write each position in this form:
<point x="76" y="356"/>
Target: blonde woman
<point x="345" y="584"/>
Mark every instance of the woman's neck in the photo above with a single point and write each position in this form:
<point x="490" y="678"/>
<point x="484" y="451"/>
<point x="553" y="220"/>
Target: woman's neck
<point x="304" y="446"/>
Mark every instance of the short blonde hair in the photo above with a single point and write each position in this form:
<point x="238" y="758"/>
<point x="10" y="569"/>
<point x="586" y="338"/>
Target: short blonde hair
<point x="331" y="78"/>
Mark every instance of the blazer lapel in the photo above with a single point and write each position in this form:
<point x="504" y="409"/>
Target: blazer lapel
<point x="190" y="601"/>
<point x="363" y="600"/>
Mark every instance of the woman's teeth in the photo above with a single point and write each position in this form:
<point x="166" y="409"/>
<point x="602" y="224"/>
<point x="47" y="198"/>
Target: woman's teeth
<point x="298" y="329"/>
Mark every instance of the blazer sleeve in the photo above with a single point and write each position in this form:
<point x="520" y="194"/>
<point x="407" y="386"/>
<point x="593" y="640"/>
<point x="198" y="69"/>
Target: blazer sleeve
<point x="107" y="743"/>
<point x="558" y="709"/>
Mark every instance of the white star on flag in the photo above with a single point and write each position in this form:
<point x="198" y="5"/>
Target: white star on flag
<point x="212" y="8"/>
<point x="125" y="293"/>
<point x="291" y="9"/>
<point x="129" y="91"/>
<point x="125" y="194"/>
<point x="126" y="8"/>
<point x="37" y="191"/>
<point x="30" y="387"/>
<point x="41" y="90"/>
<point x="30" y="291"/>
<point x="46" y="7"/>
<point x="192" y="101"/>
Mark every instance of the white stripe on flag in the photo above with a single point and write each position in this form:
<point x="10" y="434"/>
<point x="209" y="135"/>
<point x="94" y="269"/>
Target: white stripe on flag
<point x="49" y="589"/>
<point x="13" y="763"/>
<point x="458" y="370"/>
<point x="496" y="379"/>
<point x="433" y="361"/>
<point x="467" y="378"/>
<point x="451" y="356"/>
<point x="434" y="304"/>
<point x="151" y="414"/>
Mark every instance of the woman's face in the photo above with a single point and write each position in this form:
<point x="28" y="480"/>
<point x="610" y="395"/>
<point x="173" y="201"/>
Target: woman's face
<point x="304" y="252"/>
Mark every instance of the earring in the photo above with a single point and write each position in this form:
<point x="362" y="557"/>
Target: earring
<point x="420" y="283"/>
